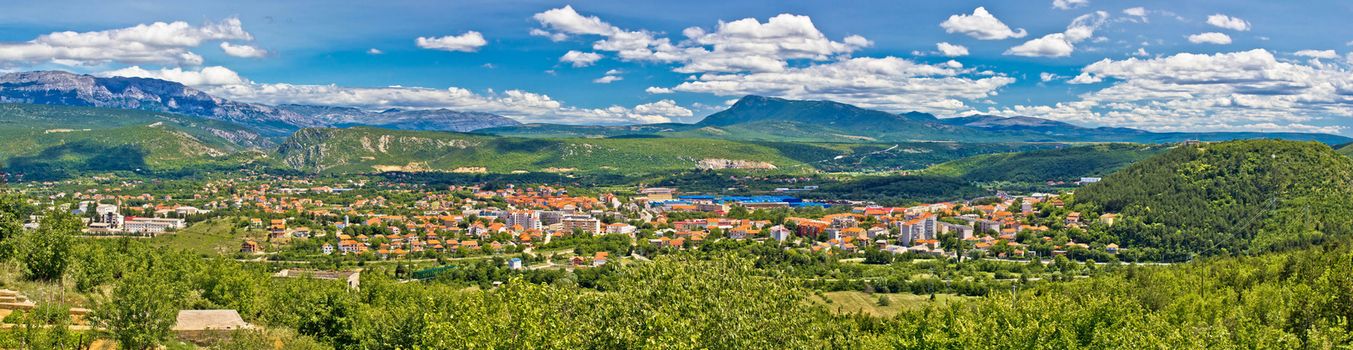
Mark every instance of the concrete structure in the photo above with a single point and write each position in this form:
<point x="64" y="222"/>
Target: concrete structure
<point x="581" y="222"/>
<point x="152" y="226"/>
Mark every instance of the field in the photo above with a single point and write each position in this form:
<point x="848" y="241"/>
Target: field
<point x="868" y="304"/>
<point x="212" y="237"/>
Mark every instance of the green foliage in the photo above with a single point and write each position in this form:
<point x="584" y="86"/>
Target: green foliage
<point x="1229" y="197"/>
<point x="1044" y="165"/>
<point x="374" y="150"/>
<point x="46" y="251"/>
<point x="58" y="142"/>
<point x="141" y="310"/>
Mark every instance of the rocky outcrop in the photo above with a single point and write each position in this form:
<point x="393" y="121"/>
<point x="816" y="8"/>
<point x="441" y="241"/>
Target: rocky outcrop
<point x="717" y="164"/>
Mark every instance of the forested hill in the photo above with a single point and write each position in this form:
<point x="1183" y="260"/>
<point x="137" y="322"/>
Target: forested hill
<point x="1065" y="164"/>
<point x="1230" y="197"/>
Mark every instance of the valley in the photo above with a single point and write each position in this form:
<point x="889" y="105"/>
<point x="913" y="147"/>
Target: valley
<point x="329" y="231"/>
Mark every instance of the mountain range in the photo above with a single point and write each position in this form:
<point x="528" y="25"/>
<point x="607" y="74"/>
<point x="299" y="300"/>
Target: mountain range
<point x="59" y="120"/>
<point x="69" y="89"/>
<point x="759" y="118"/>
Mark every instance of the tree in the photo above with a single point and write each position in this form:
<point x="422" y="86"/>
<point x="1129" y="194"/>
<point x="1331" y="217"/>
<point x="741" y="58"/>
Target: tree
<point x="46" y="251"/>
<point x="141" y="310"/>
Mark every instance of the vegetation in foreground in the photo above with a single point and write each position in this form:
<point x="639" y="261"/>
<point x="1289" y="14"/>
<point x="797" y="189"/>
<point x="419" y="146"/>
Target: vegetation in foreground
<point x="1296" y="299"/>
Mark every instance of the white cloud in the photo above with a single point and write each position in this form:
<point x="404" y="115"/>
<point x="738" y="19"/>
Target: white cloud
<point x="1228" y="22"/>
<point x="1069" y="4"/>
<point x="470" y="41"/>
<point x="887" y="83"/>
<point x="155" y="43"/>
<point x="1135" y="11"/>
<point x="579" y="58"/>
<point x="1064" y="43"/>
<point x="1325" y="54"/>
<point x="1247" y="90"/>
<point x="952" y="50"/>
<point x="374" y="51"/>
<point x="749" y="45"/>
<point x="981" y="25"/>
<point x="1210" y="38"/>
<point x="1046" y="77"/>
<point x="555" y="37"/>
<point x="245" y="51"/>
<point x="663" y="108"/>
<point x="749" y="56"/>
<point x="1141" y="52"/>
<point x="207" y="76"/>
<point x="607" y="79"/>
<point x="741" y="45"/>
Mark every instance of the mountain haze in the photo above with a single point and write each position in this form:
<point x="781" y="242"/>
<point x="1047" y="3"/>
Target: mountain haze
<point x="759" y="118"/>
<point x="70" y="89"/>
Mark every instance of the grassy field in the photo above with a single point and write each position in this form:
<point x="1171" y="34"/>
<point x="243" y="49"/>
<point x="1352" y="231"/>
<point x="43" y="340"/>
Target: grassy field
<point x="855" y="301"/>
<point x="213" y="237"/>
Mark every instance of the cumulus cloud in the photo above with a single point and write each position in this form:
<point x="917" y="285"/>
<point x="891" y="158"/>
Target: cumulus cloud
<point x="555" y="37"/>
<point x="470" y="41"/>
<point x="374" y="51"/>
<point x="887" y="83"/>
<point x="155" y="43"/>
<point x="749" y="45"/>
<point x="579" y="58"/>
<point x="523" y="105"/>
<point x="207" y="76"/>
<point x="1228" y="22"/>
<point x="657" y="112"/>
<point x="1325" y="54"/>
<point x="981" y="25"/>
<point x="1135" y="11"/>
<point x="952" y="50"/>
<point x="1247" y="90"/>
<point x="751" y="56"/>
<point x="1210" y="38"/>
<point x="1069" y="4"/>
<point x="611" y="76"/>
<point x="607" y="79"/>
<point x="741" y="45"/>
<point x="1064" y="43"/>
<point x="245" y="51"/>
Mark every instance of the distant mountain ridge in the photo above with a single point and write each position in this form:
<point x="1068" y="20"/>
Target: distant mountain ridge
<point x="432" y="119"/>
<point x="155" y="95"/>
<point x="70" y="89"/>
<point x="760" y="118"/>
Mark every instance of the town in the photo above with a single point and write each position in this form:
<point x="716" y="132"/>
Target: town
<point x="301" y="219"/>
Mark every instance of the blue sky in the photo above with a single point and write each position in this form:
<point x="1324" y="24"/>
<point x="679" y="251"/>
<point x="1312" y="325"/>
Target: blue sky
<point x="1158" y="65"/>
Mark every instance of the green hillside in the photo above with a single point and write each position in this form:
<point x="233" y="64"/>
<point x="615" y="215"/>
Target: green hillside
<point x="1043" y="165"/>
<point x="375" y="150"/>
<point x="1346" y="150"/>
<point x="52" y="142"/>
<point x="1229" y="197"/>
